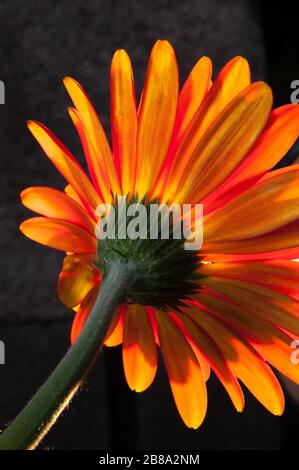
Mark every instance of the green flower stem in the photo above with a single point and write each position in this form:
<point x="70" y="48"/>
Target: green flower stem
<point x="39" y="415"/>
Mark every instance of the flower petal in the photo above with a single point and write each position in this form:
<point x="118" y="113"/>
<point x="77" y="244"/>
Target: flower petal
<point x="203" y="362"/>
<point x="156" y="114"/>
<point x="83" y="313"/>
<point x="272" y="203"/>
<point x="52" y="203"/>
<point x="69" y="190"/>
<point x="114" y="335"/>
<point x="191" y="96"/>
<point x="225" y="143"/>
<point x="94" y="166"/>
<point x="281" y="243"/>
<point x="203" y="342"/>
<point x="258" y="301"/>
<point x="139" y="349"/>
<point x="77" y="277"/>
<point x="59" y="234"/>
<point x="65" y="163"/>
<point x="123" y="118"/>
<point x="281" y="275"/>
<point x="186" y="381"/>
<point x="272" y="343"/>
<point x="243" y="360"/>
<point x="95" y="131"/>
<point x="233" y="78"/>
<point x="278" y="136"/>
<point x="194" y="90"/>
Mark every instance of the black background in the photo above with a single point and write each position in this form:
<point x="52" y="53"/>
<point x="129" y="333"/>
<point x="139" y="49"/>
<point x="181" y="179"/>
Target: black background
<point x="40" y="43"/>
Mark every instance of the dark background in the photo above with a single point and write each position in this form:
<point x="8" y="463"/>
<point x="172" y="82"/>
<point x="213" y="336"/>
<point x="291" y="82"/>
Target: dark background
<point x="40" y="43"/>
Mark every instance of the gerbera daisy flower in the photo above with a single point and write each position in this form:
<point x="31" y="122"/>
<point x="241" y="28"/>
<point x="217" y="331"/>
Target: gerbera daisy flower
<point x="231" y="307"/>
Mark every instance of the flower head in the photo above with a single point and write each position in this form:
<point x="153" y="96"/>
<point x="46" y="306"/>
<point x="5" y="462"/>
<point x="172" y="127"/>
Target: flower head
<point x="232" y="306"/>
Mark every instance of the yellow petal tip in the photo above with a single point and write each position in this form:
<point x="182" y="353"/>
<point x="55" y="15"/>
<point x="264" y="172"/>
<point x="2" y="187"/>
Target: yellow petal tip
<point x="69" y="82"/>
<point x="22" y="227"/>
<point x="66" y="80"/>
<point x="119" y="53"/>
<point x="30" y="123"/>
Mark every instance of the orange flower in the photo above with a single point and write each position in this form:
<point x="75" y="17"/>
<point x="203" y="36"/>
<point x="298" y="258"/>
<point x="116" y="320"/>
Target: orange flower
<point x="211" y="143"/>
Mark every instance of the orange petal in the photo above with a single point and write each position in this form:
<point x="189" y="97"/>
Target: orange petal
<point x="192" y="94"/>
<point x="69" y="190"/>
<point x="156" y="114"/>
<point x="83" y="313"/>
<point x="94" y="166"/>
<point x="123" y="118"/>
<point x="114" y="335"/>
<point x="194" y="90"/>
<point x="273" y="344"/>
<point x="139" y="349"/>
<point x="272" y="203"/>
<point x="202" y="342"/>
<point x="225" y="143"/>
<point x="59" y="234"/>
<point x="243" y="360"/>
<point x="279" y="274"/>
<point x="95" y="131"/>
<point x="52" y="203"/>
<point x="65" y="163"/>
<point x="232" y="79"/>
<point x="259" y="301"/>
<point x="77" y="277"/>
<point x="186" y="381"/>
<point x="278" y="136"/>
<point x="203" y="362"/>
<point x="281" y="243"/>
